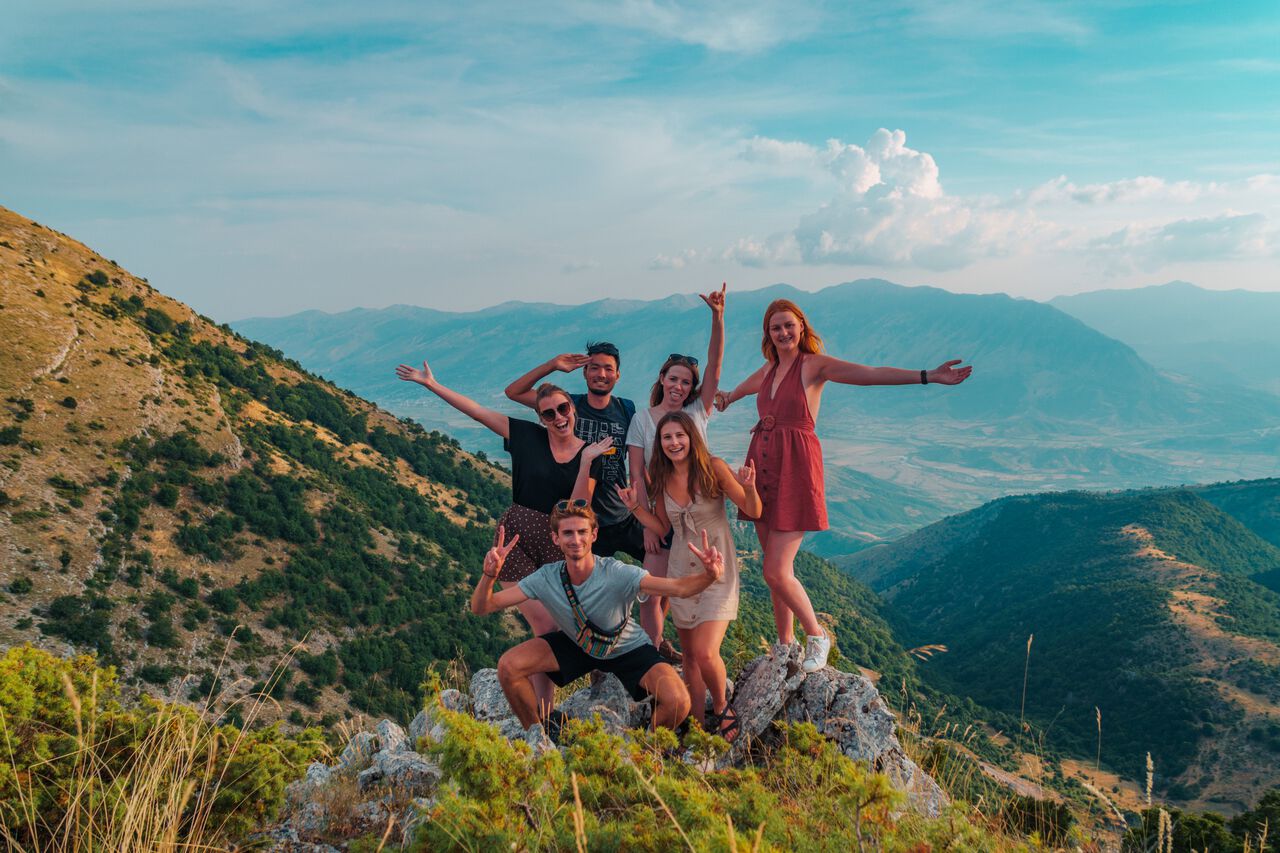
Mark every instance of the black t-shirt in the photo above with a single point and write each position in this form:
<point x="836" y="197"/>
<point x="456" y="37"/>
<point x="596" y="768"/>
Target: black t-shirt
<point x="538" y="481"/>
<point x="593" y="425"/>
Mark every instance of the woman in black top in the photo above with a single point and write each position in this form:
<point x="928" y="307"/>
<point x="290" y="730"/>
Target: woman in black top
<point x="548" y="464"/>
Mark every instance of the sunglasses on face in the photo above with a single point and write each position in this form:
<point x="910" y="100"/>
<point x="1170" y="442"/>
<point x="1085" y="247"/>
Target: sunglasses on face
<point x="561" y="506"/>
<point x="687" y="359"/>
<point x="550" y="414"/>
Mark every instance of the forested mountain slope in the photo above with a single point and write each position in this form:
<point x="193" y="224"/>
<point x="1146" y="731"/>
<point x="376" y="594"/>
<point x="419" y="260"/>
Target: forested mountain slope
<point x="1151" y="607"/>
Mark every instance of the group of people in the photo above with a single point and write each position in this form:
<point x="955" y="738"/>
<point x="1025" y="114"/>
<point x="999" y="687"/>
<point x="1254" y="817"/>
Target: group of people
<point x="575" y="505"/>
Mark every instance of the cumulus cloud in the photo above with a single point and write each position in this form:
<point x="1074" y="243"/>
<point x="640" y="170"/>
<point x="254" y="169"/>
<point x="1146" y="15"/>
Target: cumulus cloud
<point x="889" y="210"/>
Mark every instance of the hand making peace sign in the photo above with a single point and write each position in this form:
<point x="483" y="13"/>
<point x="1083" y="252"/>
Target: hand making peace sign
<point x="712" y="560"/>
<point x="498" y="553"/>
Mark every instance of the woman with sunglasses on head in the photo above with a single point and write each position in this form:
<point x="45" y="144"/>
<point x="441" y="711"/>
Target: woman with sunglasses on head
<point x="676" y="389"/>
<point x="689" y="487"/>
<point x="548" y="464"/>
<point x="788" y="458"/>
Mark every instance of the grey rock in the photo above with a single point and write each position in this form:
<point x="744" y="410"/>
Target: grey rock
<point x="487" y="701"/>
<point x="403" y="770"/>
<point x="509" y="728"/>
<point x="317" y="776"/>
<point x="428" y="723"/>
<point x="358" y="751"/>
<point x="310" y="819"/>
<point x="763" y="689"/>
<point x="419" y="726"/>
<point x="391" y="738"/>
<point x="847" y="708"/>
<point x="608" y="700"/>
<point x="538" y="740"/>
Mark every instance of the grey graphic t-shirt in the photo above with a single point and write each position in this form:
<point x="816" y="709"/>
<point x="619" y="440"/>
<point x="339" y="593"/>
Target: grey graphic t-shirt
<point x="606" y="597"/>
<point x="593" y="425"/>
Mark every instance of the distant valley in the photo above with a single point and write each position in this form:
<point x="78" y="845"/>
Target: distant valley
<point x="1053" y="403"/>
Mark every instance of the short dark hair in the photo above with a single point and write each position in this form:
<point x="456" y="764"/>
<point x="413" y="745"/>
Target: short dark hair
<point x="604" y="348"/>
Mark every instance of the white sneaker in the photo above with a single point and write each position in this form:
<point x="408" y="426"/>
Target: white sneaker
<point x="816" y="651"/>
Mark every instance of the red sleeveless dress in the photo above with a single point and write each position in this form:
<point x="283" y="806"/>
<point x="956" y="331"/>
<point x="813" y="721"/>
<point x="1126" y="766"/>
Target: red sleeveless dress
<point x="787" y="456"/>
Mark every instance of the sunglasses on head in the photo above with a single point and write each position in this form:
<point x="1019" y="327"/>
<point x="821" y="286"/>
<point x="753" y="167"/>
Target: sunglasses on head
<point x="561" y="506"/>
<point x="562" y="410"/>
<point x="688" y="359"/>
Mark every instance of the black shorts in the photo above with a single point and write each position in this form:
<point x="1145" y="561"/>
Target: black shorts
<point x="575" y="663"/>
<point x="626" y="536"/>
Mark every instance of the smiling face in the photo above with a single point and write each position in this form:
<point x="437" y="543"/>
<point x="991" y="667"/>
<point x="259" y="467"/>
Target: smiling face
<point x="677" y="382"/>
<point x="574" y="536"/>
<point x="565" y="417"/>
<point x="601" y="373"/>
<point x="674" y="441"/>
<point x="785" y="330"/>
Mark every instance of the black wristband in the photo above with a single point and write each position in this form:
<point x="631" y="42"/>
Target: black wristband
<point x="924" y="377"/>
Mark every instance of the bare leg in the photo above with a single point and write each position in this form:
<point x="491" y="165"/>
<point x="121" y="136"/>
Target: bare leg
<point x="693" y="678"/>
<point x="703" y="646"/>
<point x="516" y="669"/>
<point x="653" y="609"/>
<point x="783" y="618"/>
<point x="780" y="575"/>
<point x="540" y="622"/>
<point x="670" y="697"/>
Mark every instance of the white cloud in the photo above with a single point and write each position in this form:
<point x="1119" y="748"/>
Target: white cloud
<point x="722" y="25"/>
<point x="890" y="210"/>
<point x="1214" y="238"/>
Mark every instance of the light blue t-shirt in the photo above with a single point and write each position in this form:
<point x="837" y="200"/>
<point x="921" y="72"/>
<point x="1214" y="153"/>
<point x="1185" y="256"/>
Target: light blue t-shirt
<point x="606" y="598"/>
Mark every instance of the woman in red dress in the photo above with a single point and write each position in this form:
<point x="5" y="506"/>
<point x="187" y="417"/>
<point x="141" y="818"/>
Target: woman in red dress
<point x="788" y="457"/>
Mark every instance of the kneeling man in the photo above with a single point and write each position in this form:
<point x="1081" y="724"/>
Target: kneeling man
<point x="582" y="593"/>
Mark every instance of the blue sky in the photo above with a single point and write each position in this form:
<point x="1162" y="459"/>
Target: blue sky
<point x="267" y="157"/>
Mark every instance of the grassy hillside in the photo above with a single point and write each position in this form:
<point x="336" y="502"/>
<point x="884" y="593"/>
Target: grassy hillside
<point x="163" y="480"/>
<point x="1144" y="605"/>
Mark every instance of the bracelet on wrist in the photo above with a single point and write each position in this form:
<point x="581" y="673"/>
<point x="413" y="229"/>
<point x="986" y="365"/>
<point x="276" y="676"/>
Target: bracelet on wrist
<point x="924" y="377"/>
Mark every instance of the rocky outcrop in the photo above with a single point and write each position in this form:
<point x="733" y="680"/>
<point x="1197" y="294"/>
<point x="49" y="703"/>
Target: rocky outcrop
<point x="398" y="782"/>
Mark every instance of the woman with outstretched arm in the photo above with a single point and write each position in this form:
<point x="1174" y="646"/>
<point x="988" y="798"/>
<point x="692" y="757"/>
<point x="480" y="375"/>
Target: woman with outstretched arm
<point x="548" y="464"/>
<point x="788" y="458"/>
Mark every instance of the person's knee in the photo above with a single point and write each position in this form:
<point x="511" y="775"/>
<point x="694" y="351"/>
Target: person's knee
<point x="510" y="668"/>
<point x="672" y="696"/>
<point x="704" y="659"/>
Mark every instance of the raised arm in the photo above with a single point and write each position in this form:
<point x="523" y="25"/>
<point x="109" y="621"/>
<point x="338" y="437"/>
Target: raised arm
<point x="747" y="387"/>
<point x="495" y="421"/>
<point x="715" y="349"/>
<point x="522" y="390"/>
<point x="848" y="373"/>
<point x="712" y="569"/>
<point x="483" y="600"/>
<point x="740" y="487"/>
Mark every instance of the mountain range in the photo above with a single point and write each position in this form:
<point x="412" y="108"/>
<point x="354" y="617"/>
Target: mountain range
<point x="1053" y="403"/>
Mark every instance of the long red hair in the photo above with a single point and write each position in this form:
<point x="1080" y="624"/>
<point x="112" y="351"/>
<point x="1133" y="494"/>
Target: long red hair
<point x="702" y="477"/>
<point x="810" y="341"/>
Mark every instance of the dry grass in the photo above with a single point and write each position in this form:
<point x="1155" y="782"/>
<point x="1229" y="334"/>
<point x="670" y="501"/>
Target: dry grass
<point x="162" y="798"/>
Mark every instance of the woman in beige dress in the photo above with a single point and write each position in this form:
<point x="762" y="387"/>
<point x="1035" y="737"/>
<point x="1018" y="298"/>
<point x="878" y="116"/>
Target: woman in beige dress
<point x="689" y="487"/>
